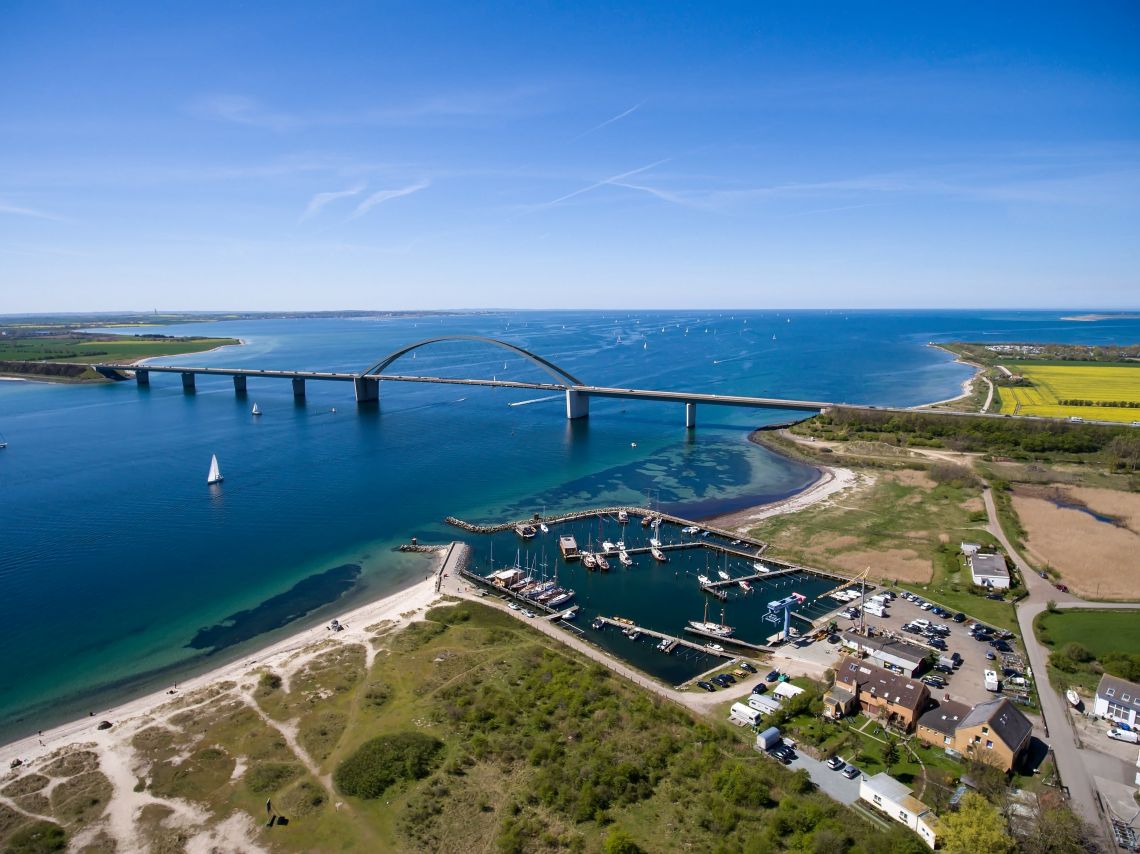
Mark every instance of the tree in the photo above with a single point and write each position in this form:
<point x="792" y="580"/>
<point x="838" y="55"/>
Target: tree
<point x="890" y="754"/>
<point x="976" y="826"/>
<point x="620" y="842"/>
<point x="1048" y="826"/>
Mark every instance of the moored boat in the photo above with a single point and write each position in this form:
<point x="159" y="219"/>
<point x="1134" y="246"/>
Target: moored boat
<point x="624" y="558"/>
<point x="542" y="527"/>
<point x="623" y="517"/>
<point x="704" y="579"/>
<point x="719" y="629"/>
<point x="658" y="555"/>
<point x="589" y="561"/>
<point x="724" y="576"/>
<point x="759" y="567"/>
<point x="607" y="546"/>
<point x="744" y="585"/>
<point x="525" y="531"/>
<point x="603" y="564"/>
<point x="1073" y="697"/>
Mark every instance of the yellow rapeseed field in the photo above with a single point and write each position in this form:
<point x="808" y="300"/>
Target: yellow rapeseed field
<point x="1054" y="383"/>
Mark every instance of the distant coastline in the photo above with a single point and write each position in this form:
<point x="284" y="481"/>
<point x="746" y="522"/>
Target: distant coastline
<point x="1092" y="318"/>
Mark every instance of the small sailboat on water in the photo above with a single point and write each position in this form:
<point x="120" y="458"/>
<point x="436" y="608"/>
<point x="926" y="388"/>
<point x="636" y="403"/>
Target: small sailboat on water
<point x="215" y="475"/>
<point x="256" y="409"/>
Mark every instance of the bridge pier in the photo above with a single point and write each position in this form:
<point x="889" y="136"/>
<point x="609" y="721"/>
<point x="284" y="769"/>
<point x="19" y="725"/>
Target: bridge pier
<point x="142" y="377"/>
<point x="239" y="384"/>
<point x="690" y="416"/>
<point x="367" y="389"/>
<point x="188" y="382"/>
<point x="298" y="387"/>
<point x="577" y="404"/>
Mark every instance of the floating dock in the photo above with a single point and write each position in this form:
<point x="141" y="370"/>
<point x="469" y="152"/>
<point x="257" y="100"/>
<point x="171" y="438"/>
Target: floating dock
<point x="674" y="642"/>
<point x="729" y="640"/>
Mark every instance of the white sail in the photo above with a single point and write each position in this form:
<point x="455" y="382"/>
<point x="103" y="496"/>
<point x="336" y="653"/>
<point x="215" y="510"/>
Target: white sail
<point x="215" y="475"/>
<point x="256" y="409"/>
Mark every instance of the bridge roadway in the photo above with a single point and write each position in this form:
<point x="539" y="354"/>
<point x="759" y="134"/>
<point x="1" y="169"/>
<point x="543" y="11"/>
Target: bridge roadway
<point x="367" y="388"/>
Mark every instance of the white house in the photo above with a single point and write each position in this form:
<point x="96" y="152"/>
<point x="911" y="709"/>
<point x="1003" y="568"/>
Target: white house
<point x="989" y="571"/>
<point x="1117" y="699"/>
<point x="890" y="796"/>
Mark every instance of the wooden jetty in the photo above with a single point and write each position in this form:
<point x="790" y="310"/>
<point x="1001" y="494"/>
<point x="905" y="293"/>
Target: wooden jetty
<point x="523" y="600"/>
<point x="756" y="576"/>
<point x="723" y="640"/>
<point x="674" y="642"/>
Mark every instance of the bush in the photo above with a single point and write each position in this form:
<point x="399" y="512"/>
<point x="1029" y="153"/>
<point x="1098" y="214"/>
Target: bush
<point x="620" y="842"/>
<point x="39" y="837"/>
<point x="385" y="760"/>
<point x="266" y="777"/>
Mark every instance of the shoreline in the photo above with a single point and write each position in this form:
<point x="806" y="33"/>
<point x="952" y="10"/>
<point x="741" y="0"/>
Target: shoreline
<point x="415" y="597"/>
<point x="966" y="383"/>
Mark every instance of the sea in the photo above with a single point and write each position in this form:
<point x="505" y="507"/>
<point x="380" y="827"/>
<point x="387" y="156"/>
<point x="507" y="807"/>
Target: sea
<point x="121" y="571"/>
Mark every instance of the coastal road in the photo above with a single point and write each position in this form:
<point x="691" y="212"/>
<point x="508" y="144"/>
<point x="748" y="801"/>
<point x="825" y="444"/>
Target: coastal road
<point x="1054" y="708"/>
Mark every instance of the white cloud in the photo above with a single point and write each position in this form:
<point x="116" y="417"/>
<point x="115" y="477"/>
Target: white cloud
<point x="318" y="201"/>
<point x="387" y="195"/>
<point x="610" y="120"/>
<point x="17" y="210"/>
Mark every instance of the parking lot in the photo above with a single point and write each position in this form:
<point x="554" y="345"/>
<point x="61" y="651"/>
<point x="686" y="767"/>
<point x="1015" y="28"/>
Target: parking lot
<point x="967" y="683"/>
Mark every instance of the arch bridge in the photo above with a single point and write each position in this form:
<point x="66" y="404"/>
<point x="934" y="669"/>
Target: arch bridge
<point x="366" y="384"/>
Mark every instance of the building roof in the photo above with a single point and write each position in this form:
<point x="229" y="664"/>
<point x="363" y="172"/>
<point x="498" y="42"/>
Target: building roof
<point x="988" y="566"/>
<point x="893" y="687"/>
<point x="887" y="786"/>
<point x="945" y="717"/>
<point x="885" y="646"/>
<point x="1003" y="719"/>
<point x="1119" y="688"/>
<point x="787" y="689"/>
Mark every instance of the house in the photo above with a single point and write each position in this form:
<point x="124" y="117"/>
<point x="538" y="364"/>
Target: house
<point x="995" y="732"/>
<point x="877" y="692"/>
<point x="891" y="797"/>
<point x="907" y="657"/>
<point x="989" y="570"/>
<point x="1117" y="699"/>
<point x="970" y="549"/>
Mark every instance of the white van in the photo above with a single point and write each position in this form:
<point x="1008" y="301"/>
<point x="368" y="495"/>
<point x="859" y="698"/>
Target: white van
<point x="874" y="609"/>
<point x="920" y="624"/>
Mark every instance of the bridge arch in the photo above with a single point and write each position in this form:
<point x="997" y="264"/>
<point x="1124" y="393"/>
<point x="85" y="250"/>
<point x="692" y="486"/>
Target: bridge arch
<point x="560" y="376"/>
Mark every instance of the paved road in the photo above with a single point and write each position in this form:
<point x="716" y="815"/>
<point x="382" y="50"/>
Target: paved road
<point x="1054" y="708"/>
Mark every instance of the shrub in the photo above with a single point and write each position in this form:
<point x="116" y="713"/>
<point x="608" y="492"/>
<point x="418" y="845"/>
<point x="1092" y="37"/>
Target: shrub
<point x="269" y="682"/>
<point x="39" y="837"/>
<point x="266" y="777"/>
<point x="385" y="760"/>
<point x="620" y="842"/>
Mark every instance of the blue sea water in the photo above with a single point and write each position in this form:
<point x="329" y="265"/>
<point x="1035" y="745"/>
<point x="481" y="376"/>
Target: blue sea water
<point x="120" y="569"/>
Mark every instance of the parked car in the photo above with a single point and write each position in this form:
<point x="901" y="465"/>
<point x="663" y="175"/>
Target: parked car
<point x="943" y="668"/>
<point x="835" y="763"/>
<point x="935" y="681"/>
<point x="990" y="656"/>
<point x="850" y="772"/>
<point x="708" y="686"/>
<point x="1064" y="588"/>
<point x="959" y="617"/>
<point x="759" y="689"/>
<point x="833" y="638"/>
<point x="744" y="665"/>
<point x="773" y="676"/>
<point x="997" y="597"/>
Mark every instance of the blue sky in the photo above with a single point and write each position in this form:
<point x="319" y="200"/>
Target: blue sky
<point x="391" y="156"/>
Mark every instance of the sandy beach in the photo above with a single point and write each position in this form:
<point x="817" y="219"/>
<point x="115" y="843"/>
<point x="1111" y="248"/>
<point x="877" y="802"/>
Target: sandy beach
<point x="832" y="480"/>
<point x="116" y="756"/>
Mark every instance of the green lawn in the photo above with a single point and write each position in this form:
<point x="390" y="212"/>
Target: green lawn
<point x="110" y="348"/>
<point x="1110" y="636"/>
<point x="1102" y="632"/>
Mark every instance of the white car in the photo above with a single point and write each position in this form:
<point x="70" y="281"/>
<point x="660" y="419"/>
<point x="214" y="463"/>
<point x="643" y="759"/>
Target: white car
<point x="513" y="606"/>
<point x="527" y="612"/>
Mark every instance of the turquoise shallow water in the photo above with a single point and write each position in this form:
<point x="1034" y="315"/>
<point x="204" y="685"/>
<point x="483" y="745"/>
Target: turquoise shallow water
<point x="119" y="568"/>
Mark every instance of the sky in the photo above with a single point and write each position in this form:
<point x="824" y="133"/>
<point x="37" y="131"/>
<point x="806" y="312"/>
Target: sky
<point x="372" y="155"/>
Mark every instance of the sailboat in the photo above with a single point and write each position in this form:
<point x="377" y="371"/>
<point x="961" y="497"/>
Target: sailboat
<point x="719" y="629"/>
<point x="256" y="409"/>
<point x="3" y="442"/>
<point x="215" y="475"/>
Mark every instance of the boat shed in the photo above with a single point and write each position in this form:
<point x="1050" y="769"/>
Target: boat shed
<point x="882" y="651"/>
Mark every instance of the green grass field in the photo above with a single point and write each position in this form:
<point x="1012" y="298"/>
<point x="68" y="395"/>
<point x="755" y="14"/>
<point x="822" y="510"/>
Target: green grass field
<point x="1101" y="632"/>
<point x="1110" y="636"/>
<point x="1053" y="383"/>
<point x="116" y="348"/>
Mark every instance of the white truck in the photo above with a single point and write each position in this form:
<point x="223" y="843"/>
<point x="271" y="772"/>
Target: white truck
<point x="993" y="683"/>
<point x="1131" y="736"/>
<point x="874" y="609"/>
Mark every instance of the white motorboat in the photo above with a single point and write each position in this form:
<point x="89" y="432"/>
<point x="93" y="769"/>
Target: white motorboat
<point x="704" y="579"/>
